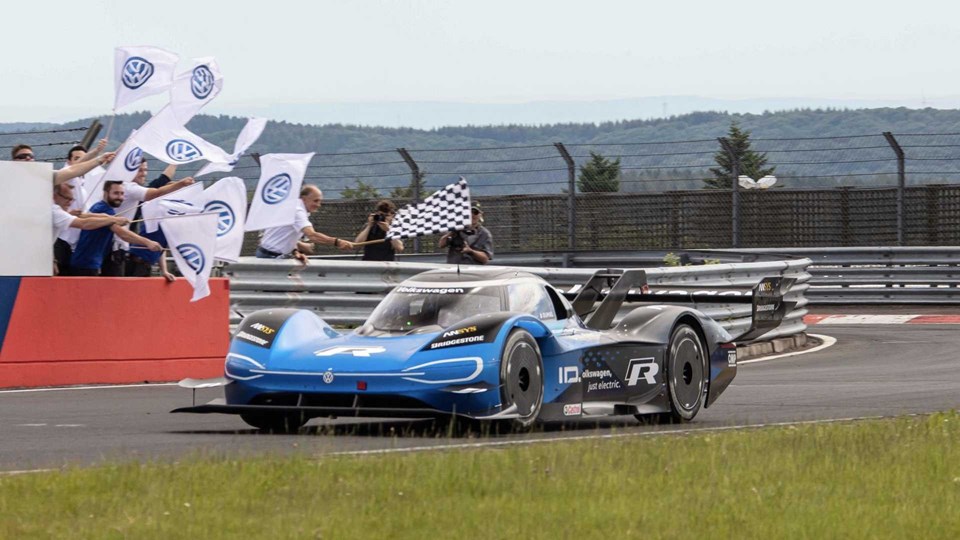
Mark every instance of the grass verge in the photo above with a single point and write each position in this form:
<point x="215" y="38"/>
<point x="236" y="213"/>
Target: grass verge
<point x="896" y="478"/>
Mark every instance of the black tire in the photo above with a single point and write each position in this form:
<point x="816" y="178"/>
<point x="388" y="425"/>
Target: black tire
<point x="685" y="373"/>
<point x="275" y="423"/>
<point x="521" y="377"/>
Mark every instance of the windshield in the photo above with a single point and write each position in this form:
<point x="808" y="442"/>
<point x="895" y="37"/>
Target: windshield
<point x="412" y="308"/>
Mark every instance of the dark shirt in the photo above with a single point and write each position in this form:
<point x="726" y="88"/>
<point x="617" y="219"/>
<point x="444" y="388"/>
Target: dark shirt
<point x="94" y="245"/>
<point x="157" y="182"/>
<point x="151" y="257"/>
<point x="480" y="240"/>
<point x="378" y="252"/>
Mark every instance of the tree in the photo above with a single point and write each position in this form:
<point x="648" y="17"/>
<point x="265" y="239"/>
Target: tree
<point x="363" y="191"/>
<point x="599" y="175"/>
<point x="750" y="163"/>
<point x="407" y="192"/>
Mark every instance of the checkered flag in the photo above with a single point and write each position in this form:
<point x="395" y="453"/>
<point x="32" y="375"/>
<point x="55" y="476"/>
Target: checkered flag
<point x="445" y="210"/>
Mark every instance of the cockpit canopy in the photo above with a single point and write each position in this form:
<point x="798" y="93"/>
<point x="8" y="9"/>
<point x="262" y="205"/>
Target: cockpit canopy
<point x="421" y="307"/>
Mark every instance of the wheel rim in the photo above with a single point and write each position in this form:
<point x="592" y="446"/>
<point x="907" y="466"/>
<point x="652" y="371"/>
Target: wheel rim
<point x="686" y="372"/>
<point x="522" y="384"/>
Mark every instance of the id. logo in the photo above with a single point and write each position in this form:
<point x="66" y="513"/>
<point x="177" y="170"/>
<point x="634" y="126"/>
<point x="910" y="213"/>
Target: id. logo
<point x="134" y="159"/>
<point x="277" y="189"/>
<point x="201" y="84"/>
<point x="227" y="217"/>
<point x="183" y="151"/>
<point x="193" y="256"/>
<point x="136" y="72"/>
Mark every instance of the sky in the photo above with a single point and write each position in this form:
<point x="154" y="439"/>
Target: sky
<point x="427" y="63"/>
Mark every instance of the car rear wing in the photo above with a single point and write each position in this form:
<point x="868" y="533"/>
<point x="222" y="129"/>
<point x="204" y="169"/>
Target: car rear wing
<point x="613" y="287"/>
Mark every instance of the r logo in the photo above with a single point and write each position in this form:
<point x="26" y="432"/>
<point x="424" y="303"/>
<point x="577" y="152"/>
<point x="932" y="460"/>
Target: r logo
<point x="364" y="352"/>
<point x="642" y="368"/>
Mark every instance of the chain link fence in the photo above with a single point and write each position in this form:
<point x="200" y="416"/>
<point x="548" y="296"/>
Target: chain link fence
<point x="853" y="190"/>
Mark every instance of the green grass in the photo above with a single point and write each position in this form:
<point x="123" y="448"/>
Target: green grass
<point x="897" y="478"/>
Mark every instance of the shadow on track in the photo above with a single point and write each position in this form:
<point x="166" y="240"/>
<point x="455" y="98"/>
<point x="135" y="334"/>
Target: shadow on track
<point x="434" y="428"/>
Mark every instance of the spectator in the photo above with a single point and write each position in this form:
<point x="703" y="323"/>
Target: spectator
<point x="23" y="152"/>
<point x="62" y="197"/>
<point x="140" y="260"/>
<point x="469" y="246"/>
<point x="284" y="242"/>
<point x="94" y="245"/>
<point x="67" y="240"/>
<point x="378" y="223"/>
<point x="135" y="193"/>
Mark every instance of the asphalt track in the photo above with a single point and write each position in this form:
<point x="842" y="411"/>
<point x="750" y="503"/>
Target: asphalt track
<point x="870" y="371"/>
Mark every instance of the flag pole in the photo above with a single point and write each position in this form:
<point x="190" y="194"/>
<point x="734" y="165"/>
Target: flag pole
<point x="110" y="125"/>
<point x="369" y="242"/>
<point x="170" y="217"/>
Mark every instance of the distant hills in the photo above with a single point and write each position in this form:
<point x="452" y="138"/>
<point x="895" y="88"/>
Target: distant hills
<point x="654" y="154"/>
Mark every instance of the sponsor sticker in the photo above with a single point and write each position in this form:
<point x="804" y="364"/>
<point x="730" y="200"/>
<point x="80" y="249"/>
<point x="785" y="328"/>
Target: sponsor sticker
<point x="573" y="409"/>
<point x="732" y="358"/>
<point x="424" y="290"/>
<point x="458" y="341"/>
<point x="460" y="331"/>
<point x="362" y="352"/>
<point x="251" y="338"/>
<point x="263" y="328"/>
<point x="766" y="307"/>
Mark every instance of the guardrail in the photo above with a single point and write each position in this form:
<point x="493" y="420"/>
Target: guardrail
<point x="345" y="292"/>
<point x="849" y="275"/>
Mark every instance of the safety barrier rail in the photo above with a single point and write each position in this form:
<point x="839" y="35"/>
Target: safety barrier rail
<point x="839" y="276"/>
<point x="345" y="292"/>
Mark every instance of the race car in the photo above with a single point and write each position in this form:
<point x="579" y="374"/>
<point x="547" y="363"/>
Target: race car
<point x="489" y="344"/>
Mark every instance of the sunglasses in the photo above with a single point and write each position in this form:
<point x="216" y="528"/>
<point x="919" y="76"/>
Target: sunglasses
<point x="23" y="157"/>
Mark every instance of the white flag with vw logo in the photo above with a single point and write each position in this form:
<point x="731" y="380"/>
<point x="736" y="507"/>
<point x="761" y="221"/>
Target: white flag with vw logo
<point x="140" y="72"/>
<point x="127" y="162"/>
<point x="154" y="210"/>
<point x="195" y="88"/>
<point x="166" y="139"/>
<point x="227" y="198"/>
<point x="248" y="135"/>
<point x="193" y="241"/>
<point x="275" y="201"/>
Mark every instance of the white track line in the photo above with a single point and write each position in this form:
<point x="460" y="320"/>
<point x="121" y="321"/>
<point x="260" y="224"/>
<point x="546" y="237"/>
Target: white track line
<point x="827" y="342"/>
<point x="466" y="446"/>
<point x="98" y="387"/>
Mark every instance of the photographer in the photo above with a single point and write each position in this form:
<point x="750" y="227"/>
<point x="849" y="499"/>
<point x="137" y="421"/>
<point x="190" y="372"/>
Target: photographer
<point x="469" y="246"/>
<point x="378" y="223"/>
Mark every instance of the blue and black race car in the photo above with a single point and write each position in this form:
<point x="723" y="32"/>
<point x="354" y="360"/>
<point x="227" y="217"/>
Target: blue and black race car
<point x="488" y="344"/>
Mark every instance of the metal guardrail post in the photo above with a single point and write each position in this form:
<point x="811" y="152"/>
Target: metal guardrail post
<point x="901" y="181"/>
<point x="417" y="177"/>
<point x="571" y="196"/>
<point x="735" y="212"/>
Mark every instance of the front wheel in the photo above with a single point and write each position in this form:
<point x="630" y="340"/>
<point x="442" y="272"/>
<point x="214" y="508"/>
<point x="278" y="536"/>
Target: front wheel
<point x="521" y="377"/>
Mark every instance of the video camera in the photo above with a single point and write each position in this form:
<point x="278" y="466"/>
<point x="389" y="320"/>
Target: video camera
<point x="459" y="239"/>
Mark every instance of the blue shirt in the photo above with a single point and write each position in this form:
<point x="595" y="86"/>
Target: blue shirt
<point x="94" y="245"/>
<point x="152" y="257"/>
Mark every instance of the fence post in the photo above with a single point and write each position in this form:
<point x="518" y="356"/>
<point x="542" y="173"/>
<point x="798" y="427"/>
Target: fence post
<point x="417" y="177"/>
<point x="735" y="212"/>
<point x="571" y="196"/>
<point x="901" y="182"/>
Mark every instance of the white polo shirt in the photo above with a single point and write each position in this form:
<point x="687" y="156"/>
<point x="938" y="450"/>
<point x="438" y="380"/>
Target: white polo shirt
<point x="284" y="239"/>
<point x="134" y="194"/>
<point x="61" y="221"/>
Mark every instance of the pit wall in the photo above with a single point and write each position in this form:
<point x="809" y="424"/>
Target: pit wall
<point x="77" y="330"/>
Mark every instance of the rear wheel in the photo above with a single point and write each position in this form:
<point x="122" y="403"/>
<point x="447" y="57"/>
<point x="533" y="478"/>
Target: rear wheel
<point x="275" y="423"/>
<point x="521" y="377"/>
<point x="686" y="376"/>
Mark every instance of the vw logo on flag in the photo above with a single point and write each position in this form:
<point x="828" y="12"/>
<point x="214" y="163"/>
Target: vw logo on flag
<point x="134" y="159"/>
<point x="136" y="72"/>
<point x="183" y="151"/>
<point x="201" y="84"/>
<point x="193" y="256"/>
<point x="227" y="218"/>
<point x="277" y="189"/>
